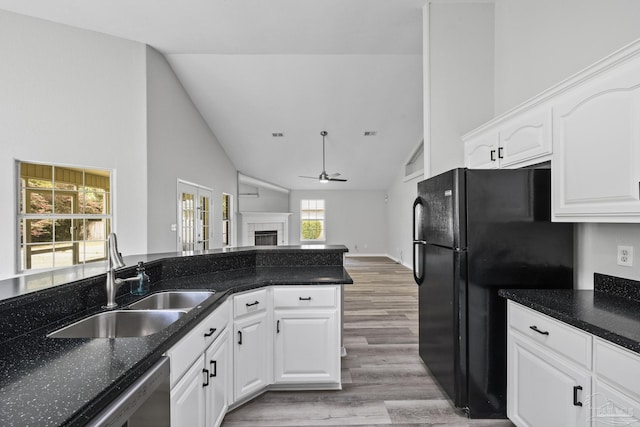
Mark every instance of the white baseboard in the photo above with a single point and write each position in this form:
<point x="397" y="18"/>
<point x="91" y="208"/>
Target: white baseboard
<point x="396" y="260"/>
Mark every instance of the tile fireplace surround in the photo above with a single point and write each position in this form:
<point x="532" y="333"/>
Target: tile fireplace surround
<point x="264" y="221"/>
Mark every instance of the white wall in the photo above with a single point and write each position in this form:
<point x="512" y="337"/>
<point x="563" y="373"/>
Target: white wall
<point x="180" y="146"/>
<point x="267" y="201"/>
<point x="458" y="78"/>
<point x="541" y="42"/>
<point x="353" y="218"/>
<point x="399" y="215"/>
<point x="73" y="97"/>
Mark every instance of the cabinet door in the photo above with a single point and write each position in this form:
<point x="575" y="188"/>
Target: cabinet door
<point x="218" y="363"/>
<point x="611" y="407"/>
<point x="543" y="390"/>
<point x="251" y="355"/>
<point x="481" y="151"/>
<point x="307" y="346"/>
<point x="526" y="137"/>
<point x="188" y="397"/>
<point x="596" y="160"/>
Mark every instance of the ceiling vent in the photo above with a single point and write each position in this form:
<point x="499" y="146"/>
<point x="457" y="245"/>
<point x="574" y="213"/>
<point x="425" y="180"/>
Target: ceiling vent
<point x="370" y="133"/>
<point x="277" y="134"/>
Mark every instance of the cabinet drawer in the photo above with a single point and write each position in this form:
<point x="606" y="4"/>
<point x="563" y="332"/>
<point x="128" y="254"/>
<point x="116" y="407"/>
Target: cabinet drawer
<point x="217" y="321"/>
<point x="250" y="302"/>
<point x="557" y="336"/>
<point x="305" y="296"/>
<point x="618" y="366"/>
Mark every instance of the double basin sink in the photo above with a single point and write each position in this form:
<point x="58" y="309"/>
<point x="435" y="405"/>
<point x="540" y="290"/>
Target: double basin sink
<point x="144" y="317"/>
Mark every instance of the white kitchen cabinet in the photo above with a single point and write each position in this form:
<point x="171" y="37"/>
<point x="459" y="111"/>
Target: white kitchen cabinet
<point x="307" y="335"/>
<point x="306" y="348"/>
<point x="548" y="359"/>
<point x="218" y="364"/>
<point x="596" y="161"/>
<point x="252" y="349"/>
<point x="188" y="404"/>
<point x="481" y="150"/>
<point x="513" y="140"/>
<point x="543" y="389"/>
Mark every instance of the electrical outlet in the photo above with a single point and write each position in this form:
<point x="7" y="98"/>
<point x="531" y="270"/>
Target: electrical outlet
<point x="625" y="256"/>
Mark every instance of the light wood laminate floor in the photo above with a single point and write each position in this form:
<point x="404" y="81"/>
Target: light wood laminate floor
<point x="384" y="381"/>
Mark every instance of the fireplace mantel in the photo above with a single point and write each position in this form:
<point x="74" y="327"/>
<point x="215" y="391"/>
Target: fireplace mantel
<point x="262" y="221"/>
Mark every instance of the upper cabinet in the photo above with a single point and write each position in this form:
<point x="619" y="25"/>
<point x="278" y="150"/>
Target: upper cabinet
<point x="511" y="141"/>
<point x="589" y="127"/>
<point x="596" y="164"/>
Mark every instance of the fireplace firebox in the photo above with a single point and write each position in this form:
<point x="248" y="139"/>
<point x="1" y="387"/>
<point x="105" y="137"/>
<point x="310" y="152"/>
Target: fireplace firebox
<point x="266" y="238"/>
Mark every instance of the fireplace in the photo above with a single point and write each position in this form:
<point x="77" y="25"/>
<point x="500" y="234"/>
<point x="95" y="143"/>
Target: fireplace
<point x="264" y="228"/>
<point x="266" y="238"/>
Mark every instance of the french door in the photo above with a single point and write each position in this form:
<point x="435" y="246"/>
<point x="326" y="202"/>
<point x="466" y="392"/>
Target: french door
<point x="194" y="217"/>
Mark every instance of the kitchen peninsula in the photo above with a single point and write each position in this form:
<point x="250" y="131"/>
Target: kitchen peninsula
<point x="52" y="381"/>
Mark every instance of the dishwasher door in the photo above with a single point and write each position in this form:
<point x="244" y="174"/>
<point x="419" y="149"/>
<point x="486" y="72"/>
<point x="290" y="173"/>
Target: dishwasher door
<point x="146" y="403"/>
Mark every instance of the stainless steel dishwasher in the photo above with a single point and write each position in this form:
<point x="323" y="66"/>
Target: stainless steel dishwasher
<point x="146" y="403"/>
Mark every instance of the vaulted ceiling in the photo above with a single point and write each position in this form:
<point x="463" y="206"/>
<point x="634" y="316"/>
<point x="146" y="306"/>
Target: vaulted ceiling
<point x="295" y="67"/>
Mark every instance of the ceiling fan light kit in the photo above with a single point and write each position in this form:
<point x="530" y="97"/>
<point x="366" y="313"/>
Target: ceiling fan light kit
<point x="324" y="177"/>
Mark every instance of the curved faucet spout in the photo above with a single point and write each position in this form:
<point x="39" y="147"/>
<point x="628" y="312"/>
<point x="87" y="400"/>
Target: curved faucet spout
<point x="114" y="260"/>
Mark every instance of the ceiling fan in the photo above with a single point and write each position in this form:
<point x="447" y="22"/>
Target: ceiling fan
<point x="324" y="176"/>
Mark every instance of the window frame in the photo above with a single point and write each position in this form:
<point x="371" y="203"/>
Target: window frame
<point x="323" y="232"/>
<point x="227" y="224"/>
<point x="22" y="190"/>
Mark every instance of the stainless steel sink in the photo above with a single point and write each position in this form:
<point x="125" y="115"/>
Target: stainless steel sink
<point x="120" y="324"/>
<point x="180" y="300"/>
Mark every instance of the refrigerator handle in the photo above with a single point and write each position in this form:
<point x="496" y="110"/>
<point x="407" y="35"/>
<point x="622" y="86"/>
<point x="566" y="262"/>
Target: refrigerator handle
<point x="418" y="244"/>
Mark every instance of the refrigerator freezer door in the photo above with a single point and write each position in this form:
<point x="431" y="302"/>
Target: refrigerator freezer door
<point x="442" y="323"/>
<point x="444" y="208"/>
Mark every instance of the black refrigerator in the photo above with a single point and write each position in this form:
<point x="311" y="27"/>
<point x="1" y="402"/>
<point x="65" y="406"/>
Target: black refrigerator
<point x="476" y="231"/>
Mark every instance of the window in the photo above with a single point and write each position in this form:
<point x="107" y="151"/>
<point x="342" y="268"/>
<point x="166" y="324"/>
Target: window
<point x="312" y="220"/>
<point x="194" y="216"/>
<point x="64" y="215"/>
<point x="226" y="219"/>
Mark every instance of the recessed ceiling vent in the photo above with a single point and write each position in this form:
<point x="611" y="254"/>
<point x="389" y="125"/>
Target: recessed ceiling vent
<point x="277" y="134"/>
<point x="370" y="133"/>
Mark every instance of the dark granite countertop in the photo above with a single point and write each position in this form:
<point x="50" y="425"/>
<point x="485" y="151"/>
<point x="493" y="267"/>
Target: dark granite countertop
<point x="61" y="381"/>
<point x="610" y="311"/>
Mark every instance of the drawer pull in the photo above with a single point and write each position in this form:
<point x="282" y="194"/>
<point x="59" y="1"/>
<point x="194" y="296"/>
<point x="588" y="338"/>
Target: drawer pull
<point x="211" y="332"/>
<point x="206" y="377"/>
<point x="253" y="303"/>
<point x="535" y="328"/>
<point x="575" y="395"/>
<point x="304" y="299"/>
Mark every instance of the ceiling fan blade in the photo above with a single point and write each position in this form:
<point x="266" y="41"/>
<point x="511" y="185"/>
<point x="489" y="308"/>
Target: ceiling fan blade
<point x="333" y="175"/>
<point x="310" y="177"/>
<point x="337" y="179"/>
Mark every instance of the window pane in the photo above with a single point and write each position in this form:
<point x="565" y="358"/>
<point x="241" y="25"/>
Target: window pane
<point x="63" y="230"/>
<point x="39" y="201"/>
<point x="94" y="203"/>
<point x="65" y="203"/>
<point x="94" y="229"/>
<point x="64" y="254"/>
<point x="40" y="230"/>
<point x="37" y="256"/>
<point x="93" y="251"/>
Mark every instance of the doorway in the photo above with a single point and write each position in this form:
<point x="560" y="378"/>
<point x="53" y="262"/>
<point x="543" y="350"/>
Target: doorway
<point x="194" y="217"/>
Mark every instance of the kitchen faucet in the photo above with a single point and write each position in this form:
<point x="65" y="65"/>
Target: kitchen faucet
<point x="114" y="260"/>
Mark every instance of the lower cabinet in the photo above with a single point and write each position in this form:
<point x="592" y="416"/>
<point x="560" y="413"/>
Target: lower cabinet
<point x="188" y="403"/>
<point x="251" y="355"/>
<point x="200" y="397"/>
<point x="544" y="390"/>
<point x="558" y="375"/>
<point x="306" y="350"/>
